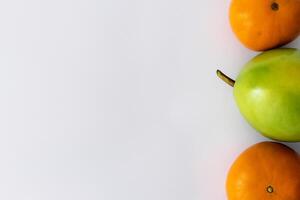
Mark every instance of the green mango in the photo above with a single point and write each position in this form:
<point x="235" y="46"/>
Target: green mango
<point x="267" y="92"/>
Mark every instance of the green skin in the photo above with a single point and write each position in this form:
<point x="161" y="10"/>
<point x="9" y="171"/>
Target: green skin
<point x="267" y="92"/>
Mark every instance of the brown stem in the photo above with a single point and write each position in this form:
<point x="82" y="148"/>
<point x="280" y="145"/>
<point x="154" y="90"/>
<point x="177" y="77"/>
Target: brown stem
<point x="275" y="6"/>
<point x="225" y="78"/>
<point x="270" y="189"/>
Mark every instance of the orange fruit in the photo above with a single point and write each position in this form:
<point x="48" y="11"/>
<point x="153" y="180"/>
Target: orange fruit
<point x="267" y="170"/>
<point x="265" y="24"/>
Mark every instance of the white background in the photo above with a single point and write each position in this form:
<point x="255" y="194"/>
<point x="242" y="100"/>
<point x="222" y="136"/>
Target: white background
<point x="118" y="100"/>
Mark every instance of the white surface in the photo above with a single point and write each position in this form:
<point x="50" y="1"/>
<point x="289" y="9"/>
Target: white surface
<point x="118" y="100"/>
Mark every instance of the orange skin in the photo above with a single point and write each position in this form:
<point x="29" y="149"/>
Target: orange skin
<point x="265" y="24"/>
<point x="267" y="170"/>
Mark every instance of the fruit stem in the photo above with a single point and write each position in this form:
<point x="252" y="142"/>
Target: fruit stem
<point x="270" y="189"/>
<point x="225" y="78"/>
<point x="275" y="6"/>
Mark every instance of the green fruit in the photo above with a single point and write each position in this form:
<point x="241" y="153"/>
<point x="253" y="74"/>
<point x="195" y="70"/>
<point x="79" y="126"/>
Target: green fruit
<point x="267" y="92"/>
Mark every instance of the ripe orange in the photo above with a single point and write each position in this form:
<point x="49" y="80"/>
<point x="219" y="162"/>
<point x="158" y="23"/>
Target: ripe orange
<point x="265" y="24"/>
<point x="267" y="170"/>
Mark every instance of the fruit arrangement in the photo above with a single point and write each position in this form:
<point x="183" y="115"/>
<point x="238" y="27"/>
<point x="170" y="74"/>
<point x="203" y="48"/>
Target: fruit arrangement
<point x="267" y="93"/>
